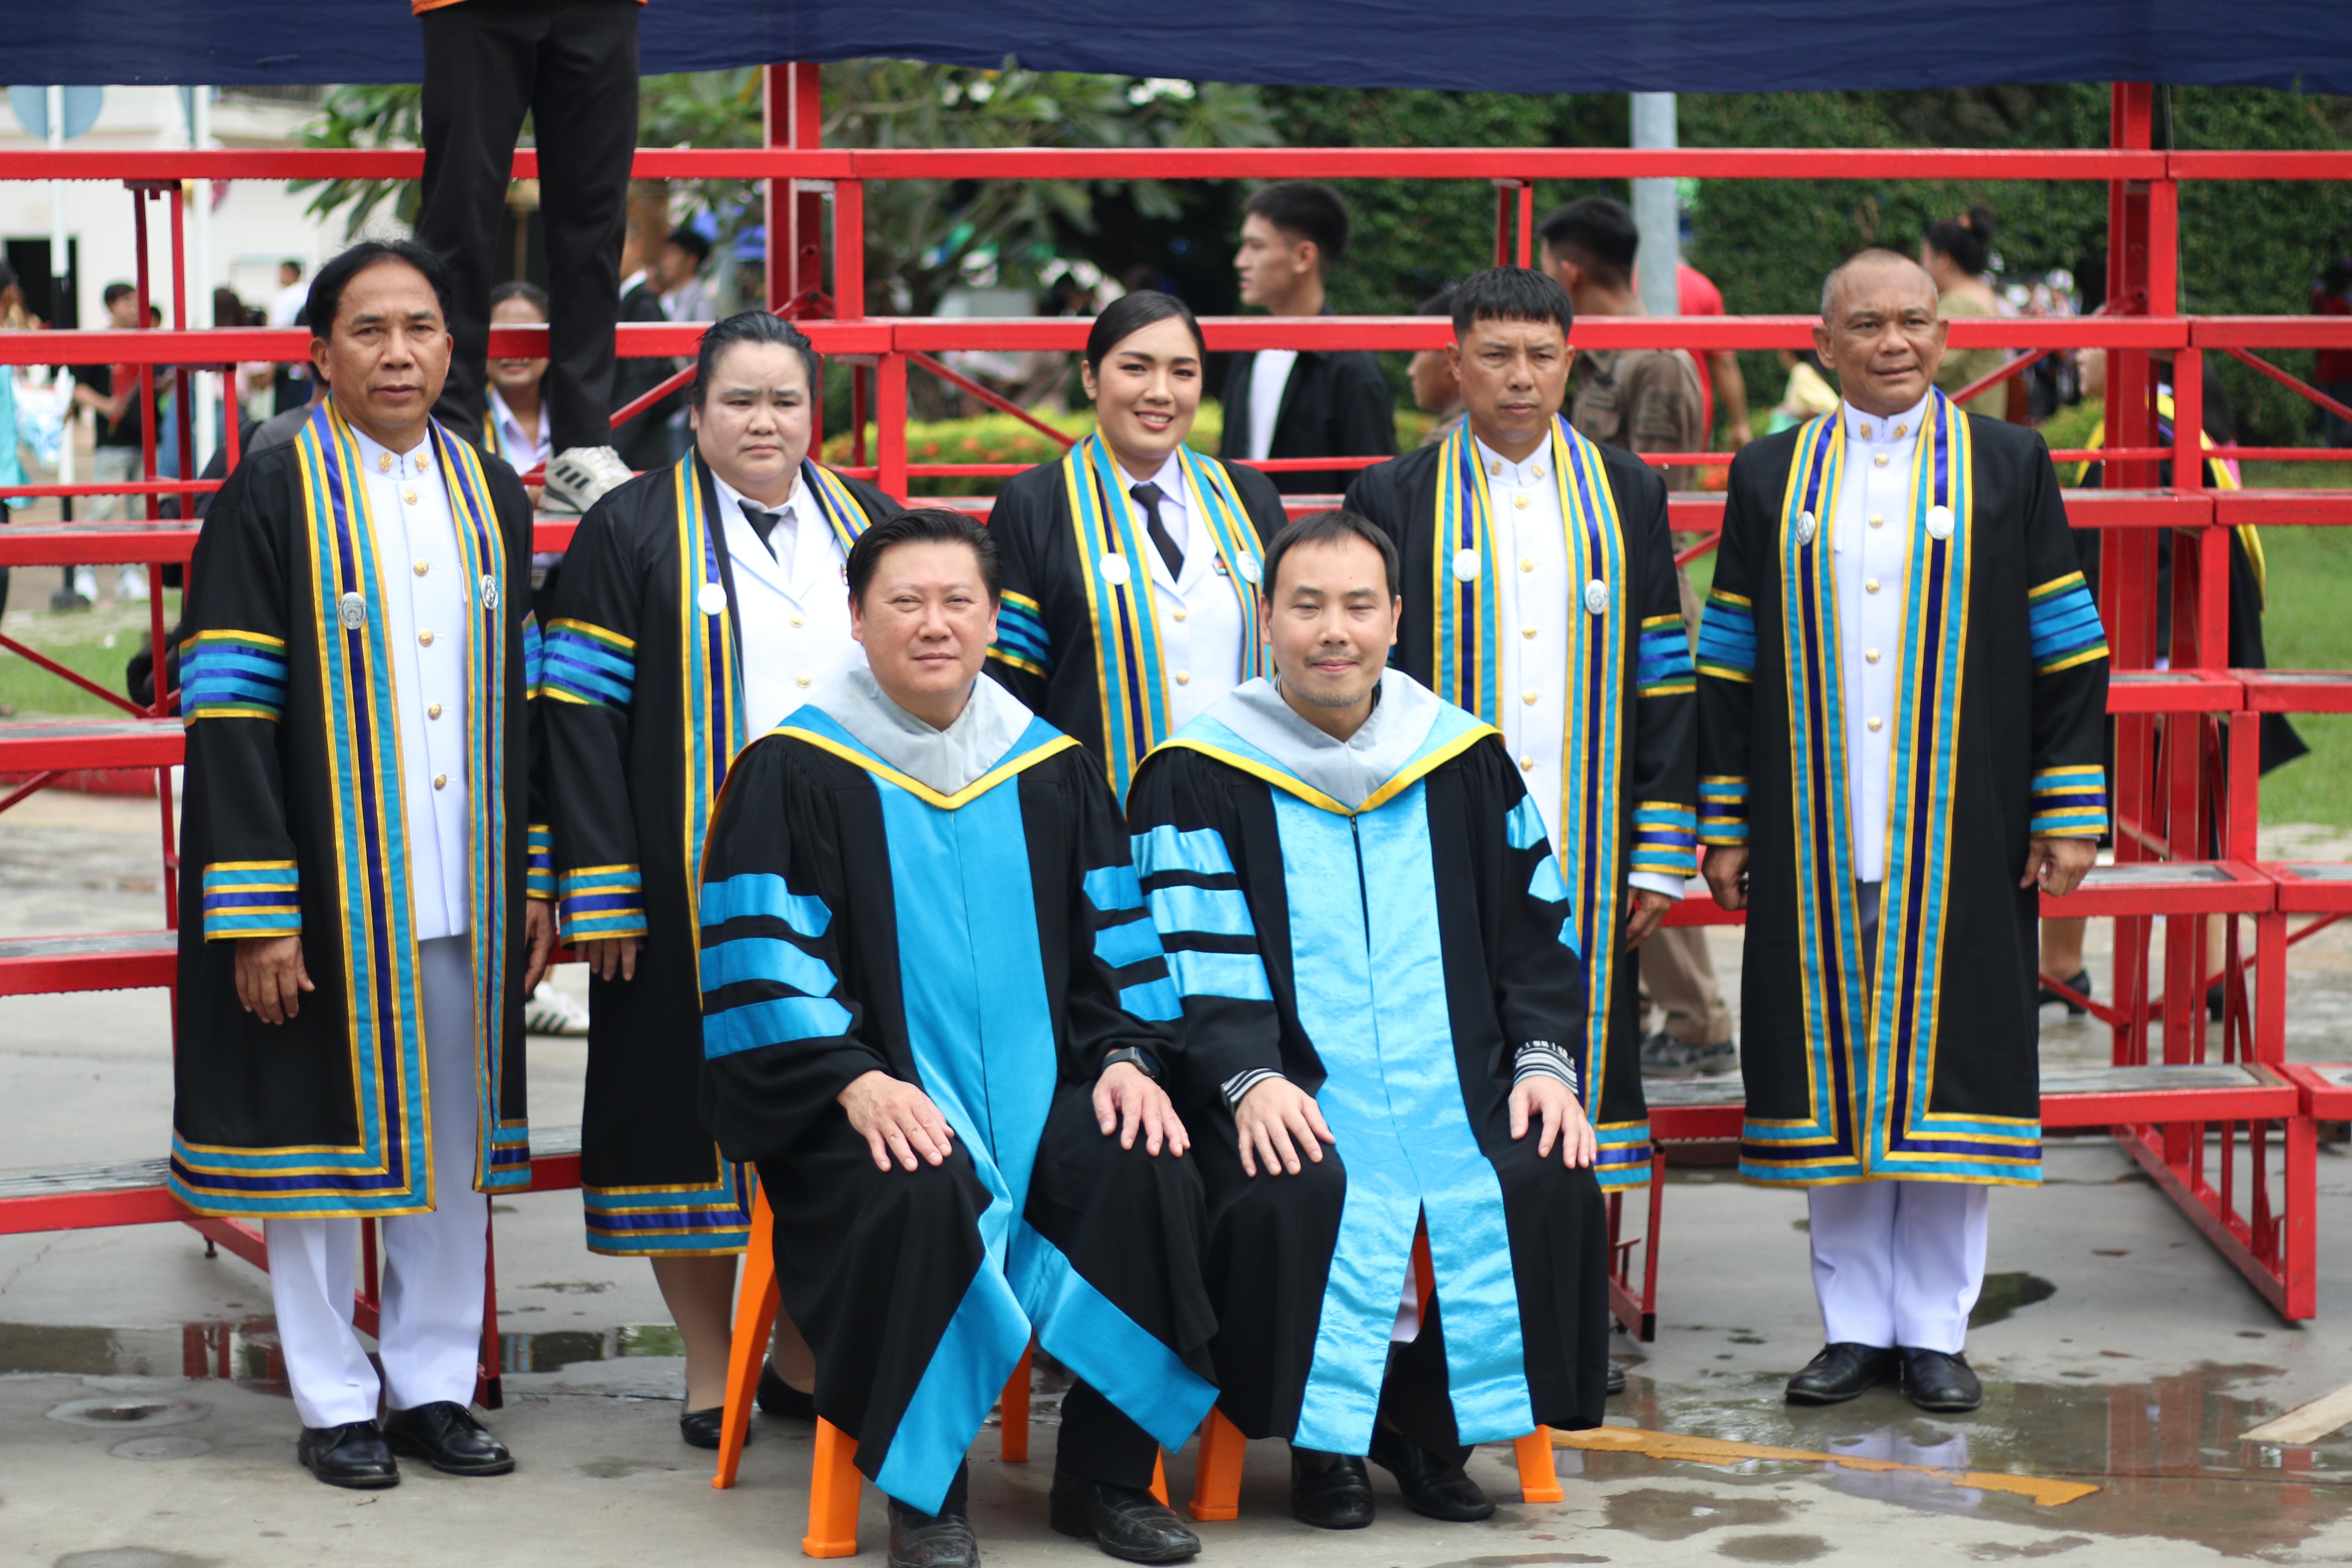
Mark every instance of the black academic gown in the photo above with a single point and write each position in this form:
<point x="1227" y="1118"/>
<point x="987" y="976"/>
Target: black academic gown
<point x="1915" y="1058"/>
<point x="641" y="702"/>
<point x="290" y="826"/>
<point x="990" y="946"/>
<point x="1389" y="961"/>
<point x="643" y="442"/>
<point x="1068" y="632"/>
<point x="1635" y="707"/>
<point x="1335" y="404"/>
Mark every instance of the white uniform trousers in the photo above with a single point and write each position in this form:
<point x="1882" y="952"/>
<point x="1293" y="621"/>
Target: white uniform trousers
<point x="1894" y="1262"/>
<point x="432" y="1263"/>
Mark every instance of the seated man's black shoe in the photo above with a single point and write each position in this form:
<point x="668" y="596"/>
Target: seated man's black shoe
<point x="1127" y="1522"/>
<point x="930" y="1540"/>
<point x="354" y="1455"/>
<point x="1330" y="1492"/>
<point x="1616" y="1380"/>
<point x="1434" y="1486"/>
<point x="1933" y="1380"/>
<point x="2082" y="982"/>
<point x="778" y="1397"/>
<point x="701" y="1429"/>
<point x="1843" y="1371"/>
<point x="445" y="1434"/>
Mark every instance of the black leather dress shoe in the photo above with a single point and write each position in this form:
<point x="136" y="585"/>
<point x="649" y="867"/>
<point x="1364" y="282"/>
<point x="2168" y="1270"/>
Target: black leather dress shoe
<point x="778" y="1397"/>
<point x="1435" y="1486"/>
<point x="1933" y="1380"/>
<point x="1127" y="1522"/>
<point x="445" y="1434"/>
<point x="930" y="1540"/>
<point x="354" y="1455"/>
<point x="1616" y="1379"/>
<point x="2082" y="982"/>
<point x="701" y="1429"/>
<point x="1330" y="1492"/>
<point x="1843" y="1371"/>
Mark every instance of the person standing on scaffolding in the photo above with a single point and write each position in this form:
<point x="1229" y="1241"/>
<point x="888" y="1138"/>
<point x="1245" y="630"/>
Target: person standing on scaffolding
<point x="356" y="939"/>
<point x="700" y="604"/>
<point x="1902" y="708"/>
<point x="572" y="65"/>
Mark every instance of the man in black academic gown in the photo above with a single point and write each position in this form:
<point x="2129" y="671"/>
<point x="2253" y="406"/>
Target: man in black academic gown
<point x="1375" y="950"/>
<point x="355" y="939"/>
<point x="1539" y="593"/>
<point x="1903" y="703"/>
<point x="1300" y="402"/>
<point x="934" y="1011"/>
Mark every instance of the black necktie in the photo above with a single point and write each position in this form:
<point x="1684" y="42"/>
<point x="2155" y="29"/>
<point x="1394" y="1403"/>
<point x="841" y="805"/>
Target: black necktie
<point x="1149" y="494"/>
<point x="763" y="524"/>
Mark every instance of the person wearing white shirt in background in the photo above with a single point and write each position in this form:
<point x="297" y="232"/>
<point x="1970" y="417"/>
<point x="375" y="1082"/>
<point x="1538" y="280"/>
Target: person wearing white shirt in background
<point x="699" y="603"/>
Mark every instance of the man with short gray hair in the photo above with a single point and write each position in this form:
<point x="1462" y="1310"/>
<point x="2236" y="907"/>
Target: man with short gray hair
<point x="1902" y="705"/>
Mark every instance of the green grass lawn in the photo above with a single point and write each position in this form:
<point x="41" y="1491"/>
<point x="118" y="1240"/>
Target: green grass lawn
<point x="95" y="642"/>
<point x="2309" y="627"/>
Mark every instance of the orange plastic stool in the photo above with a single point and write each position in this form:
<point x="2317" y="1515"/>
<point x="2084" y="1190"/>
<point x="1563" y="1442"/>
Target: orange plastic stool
<point x="834" y="1482"/>
<point x="1217" y="1478"/>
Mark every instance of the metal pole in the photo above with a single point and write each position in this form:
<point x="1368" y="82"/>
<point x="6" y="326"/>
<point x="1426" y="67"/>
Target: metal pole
<point x="1659" y="262"/>
<point x="198" y="101"/>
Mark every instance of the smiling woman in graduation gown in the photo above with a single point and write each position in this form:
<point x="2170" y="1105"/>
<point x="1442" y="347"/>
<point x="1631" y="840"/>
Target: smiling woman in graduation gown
<point x="1131" y="565"/>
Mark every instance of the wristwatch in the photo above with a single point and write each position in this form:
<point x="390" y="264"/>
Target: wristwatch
<point x="1135" y="1057"/>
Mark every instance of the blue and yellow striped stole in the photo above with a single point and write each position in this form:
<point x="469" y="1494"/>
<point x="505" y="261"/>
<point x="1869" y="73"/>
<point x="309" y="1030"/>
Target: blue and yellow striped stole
<point x="1130" y="673"/>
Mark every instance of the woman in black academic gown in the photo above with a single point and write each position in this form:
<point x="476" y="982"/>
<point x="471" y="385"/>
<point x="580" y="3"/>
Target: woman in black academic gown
<point x="1131" y="565"/>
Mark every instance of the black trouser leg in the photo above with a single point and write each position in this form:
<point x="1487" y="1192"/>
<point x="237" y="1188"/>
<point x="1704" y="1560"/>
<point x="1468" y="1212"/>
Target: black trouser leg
<point x="1098" y="1443"/>
<point x="1414" y="1396"/>
<point x="585" y="111"/>
<point x="480" y="60"/>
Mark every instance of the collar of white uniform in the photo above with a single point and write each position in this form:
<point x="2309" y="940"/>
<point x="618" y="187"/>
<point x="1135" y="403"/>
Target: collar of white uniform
<point x="1896" y="430"/>
<point x="1535" y="470"/>
<point x="1349" y="771"/>
<point x="418" y="459"/>
<point x="730" y="500"/>
<point x="992" y="725"/>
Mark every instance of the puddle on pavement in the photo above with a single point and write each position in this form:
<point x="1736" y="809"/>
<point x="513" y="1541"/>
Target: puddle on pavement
<point x="559" y="1348"/>
<point x="2165" y="1453"/>
<point x="2005" y="1293"/>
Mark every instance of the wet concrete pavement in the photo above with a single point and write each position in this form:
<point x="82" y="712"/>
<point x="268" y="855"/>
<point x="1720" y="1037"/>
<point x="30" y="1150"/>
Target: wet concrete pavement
<point x="2118" y="1349"/>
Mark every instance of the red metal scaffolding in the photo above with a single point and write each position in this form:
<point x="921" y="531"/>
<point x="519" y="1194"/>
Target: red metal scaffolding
<point x="2225" y="1127"/>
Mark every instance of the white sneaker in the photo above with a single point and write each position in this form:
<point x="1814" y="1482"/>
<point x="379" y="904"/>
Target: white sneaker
<point x="131" y="585"/>
<point x="578" y="475"/>
<point x="550" y="1011"/>
<point x="86" y="583"/>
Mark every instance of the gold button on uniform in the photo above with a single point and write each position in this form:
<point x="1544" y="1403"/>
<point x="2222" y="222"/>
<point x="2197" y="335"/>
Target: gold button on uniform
<point x="1528" y="696"/>
<point x="384" y="462"/>
<point x="1180" y="615"/>
<point x="1877" y="520"/>
<point x="440" y="781"/>
<point x="797" y="617"/>
<point x="1526" y="764"/>
<point x="1879" y="461"/>
<point x="1870" y="656"/>
<point x="1526" y="563"/>
<point x="1874" y="725"/>
<point x="409" y="496"/>
<point x="1184" y="678"/>
<point x="423" y="567"/>
<point x="1870" y="585"/>
<point x="1527" y="631"/>
<point x="433" y="711"/>
<point x="425" y="638"/>
<point x="1520" y="501"/>
<point x="801" y="680"/>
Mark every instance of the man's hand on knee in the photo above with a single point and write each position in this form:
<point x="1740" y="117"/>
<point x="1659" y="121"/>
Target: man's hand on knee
<point x="896" y="1120"/>
<point x="1277" y="1120"/>
<point x="1542" y="1097"/>
<point x="1126" y="1099"/>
